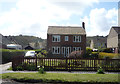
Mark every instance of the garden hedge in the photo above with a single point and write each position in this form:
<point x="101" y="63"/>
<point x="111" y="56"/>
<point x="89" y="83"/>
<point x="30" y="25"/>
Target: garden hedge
<point x="103" y="55"/>
<point x="7" y="54"/>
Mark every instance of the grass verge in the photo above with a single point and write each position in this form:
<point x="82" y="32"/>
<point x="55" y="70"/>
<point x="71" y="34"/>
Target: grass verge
<point x="61" y="77"/>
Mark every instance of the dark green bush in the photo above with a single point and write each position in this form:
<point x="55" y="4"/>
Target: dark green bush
<point x="19" y="68"/>
<point x="41" y="70"/>
<point x="7" y="54"/>
<point x="88" y="52"/>
<point x="25" y="66"/>
<point x="107" y="50"/>
<point x="41" y="53"/>
<point x="31" y="67"/>
<point x="94" y="55"/>
<point x="100" y="71"/>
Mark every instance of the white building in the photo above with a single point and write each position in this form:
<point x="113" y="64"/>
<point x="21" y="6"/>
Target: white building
<point x="14" y="46"/>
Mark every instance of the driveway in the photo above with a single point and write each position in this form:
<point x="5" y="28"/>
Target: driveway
<point x="4" y="67"/>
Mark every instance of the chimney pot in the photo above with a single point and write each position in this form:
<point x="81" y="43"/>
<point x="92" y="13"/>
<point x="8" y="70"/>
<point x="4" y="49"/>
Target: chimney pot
<point x="83" y="25"/>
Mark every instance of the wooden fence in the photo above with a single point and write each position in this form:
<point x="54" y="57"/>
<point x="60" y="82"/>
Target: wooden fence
<point x="68" y="64"/>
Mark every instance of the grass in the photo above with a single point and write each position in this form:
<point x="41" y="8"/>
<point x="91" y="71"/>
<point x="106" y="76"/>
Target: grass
<point x="61" y="77"/>
<point x="10" y="68"/>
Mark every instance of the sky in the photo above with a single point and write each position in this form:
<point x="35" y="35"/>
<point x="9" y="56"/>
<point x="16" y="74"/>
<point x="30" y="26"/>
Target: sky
<point x="32" y="17"/>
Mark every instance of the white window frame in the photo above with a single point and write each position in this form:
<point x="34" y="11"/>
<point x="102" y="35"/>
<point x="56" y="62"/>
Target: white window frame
<point x="55" y="51"/>
<point x="76" y="48"/>
<point x="76" y="38"/>
<point x="56" y="38"/>
<point x="66" y="38"/>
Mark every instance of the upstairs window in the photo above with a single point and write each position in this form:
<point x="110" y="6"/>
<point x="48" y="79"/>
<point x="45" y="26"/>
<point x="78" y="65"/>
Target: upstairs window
<point x="56" y="50"/>
<point x="77" y="39"/>
<point x="66" y="38"/>
<point x="56" y="38"/>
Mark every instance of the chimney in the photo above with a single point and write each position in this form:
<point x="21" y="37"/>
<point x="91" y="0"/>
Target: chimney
<point x="83" y="25"/>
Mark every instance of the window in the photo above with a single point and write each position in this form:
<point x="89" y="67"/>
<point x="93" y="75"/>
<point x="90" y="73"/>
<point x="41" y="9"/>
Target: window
<point x="66" y="38"/>
<point x="77" y="39"/>
<point x="56" y="50"/>
<point x="56" y="38"/>
<point x="76" y="48"/>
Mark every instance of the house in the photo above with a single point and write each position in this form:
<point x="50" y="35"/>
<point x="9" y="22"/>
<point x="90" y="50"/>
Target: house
<point x="96" y="42"/>
<point x="113" y="39"/>
<point x="62" y="40"/>
<point x="28" y="47"/>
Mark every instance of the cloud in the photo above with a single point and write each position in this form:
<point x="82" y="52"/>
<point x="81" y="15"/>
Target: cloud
<point x="32" y="17"/>
<point x="100" y="21"/>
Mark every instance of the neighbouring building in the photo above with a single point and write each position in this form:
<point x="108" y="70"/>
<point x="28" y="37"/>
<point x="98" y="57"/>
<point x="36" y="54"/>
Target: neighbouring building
<point x="28" y="47"/>
<point x="38" y="45"/>
<point x="14" y="46"/>
<point x="113" y="39"/>
<point x="96" y="42"/>
<point x="62" y="40"/>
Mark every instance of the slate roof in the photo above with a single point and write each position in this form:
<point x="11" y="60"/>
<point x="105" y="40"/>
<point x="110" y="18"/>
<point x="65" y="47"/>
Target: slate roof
<point x="66" y="30"/>
<point x="117" y="29"/>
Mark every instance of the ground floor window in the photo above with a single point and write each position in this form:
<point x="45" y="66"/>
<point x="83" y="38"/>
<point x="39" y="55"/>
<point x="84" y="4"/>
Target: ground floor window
<point x="76" y="48"/>
<point x="56" y="50"/>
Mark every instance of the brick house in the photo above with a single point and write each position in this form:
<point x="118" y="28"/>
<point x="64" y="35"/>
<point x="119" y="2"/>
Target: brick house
<point x="62" y="40"/>
<point x="113" y="39"/>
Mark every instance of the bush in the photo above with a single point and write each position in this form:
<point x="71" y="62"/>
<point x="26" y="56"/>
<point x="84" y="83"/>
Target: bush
<point x="7" y="54"/>
<point x="25" y="66"/>
<point x="41" y="70"/>
<point x="103" y="55"/>
<point x="41" y="53"/>
<point x="19" y="68"/>
<point x="100" y="71"/>
<point x="88" y="53"/>
<point x="94" y="55"/>
<point x="76" y="54"/>
<point x="107" y="50"/>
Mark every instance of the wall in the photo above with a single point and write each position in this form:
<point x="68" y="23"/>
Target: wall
<point x="69" y="43"/>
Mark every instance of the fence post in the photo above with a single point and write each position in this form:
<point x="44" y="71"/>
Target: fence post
<point x="36" y="61"/>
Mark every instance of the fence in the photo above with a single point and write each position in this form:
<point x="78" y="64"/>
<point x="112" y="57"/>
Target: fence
<point x="68" y="64"/>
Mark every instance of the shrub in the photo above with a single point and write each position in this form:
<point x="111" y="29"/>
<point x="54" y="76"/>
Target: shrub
<point x="100" y="71"/>
<point x="88" y="51"/>
<point x="94" y="55"/>
<point x="41" y="53"/>
<point x="29" y="67"/>
<point x="76" y="54"/>
<point x="19" y="68"/>
<point x="41" y="70"/>
<point x="107" y="50"/>
<point x="103" y="55"/>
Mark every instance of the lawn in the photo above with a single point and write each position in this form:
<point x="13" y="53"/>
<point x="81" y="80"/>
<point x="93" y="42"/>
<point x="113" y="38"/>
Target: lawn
<point x="61" y="77"/>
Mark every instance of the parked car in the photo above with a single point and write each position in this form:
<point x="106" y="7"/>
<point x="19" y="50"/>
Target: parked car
<point x="30" y="53"/>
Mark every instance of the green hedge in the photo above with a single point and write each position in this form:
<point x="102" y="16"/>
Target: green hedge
<point x="8" y="54"/>
<point x="103" y="55"/>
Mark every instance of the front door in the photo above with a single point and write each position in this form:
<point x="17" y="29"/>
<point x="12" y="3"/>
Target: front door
<point x="66" y="51"/>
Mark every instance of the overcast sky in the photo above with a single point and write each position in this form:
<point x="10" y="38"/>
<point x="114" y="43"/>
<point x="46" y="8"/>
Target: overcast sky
<point x="32" y="17"/>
